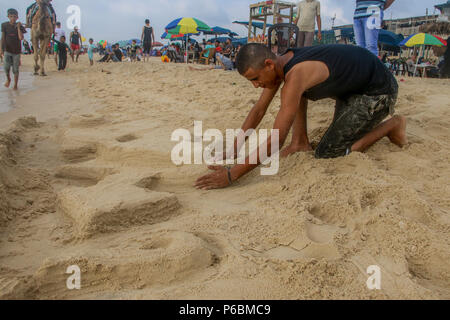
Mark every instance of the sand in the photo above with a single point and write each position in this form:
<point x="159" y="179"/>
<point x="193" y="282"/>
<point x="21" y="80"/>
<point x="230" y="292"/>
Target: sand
<point x="86" y="179"/>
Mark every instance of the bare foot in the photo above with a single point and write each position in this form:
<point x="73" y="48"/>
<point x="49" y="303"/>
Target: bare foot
<point x="398" y="134"/>
<point x="291" y="149"/>
<point x="15" y="88"/>
<point x="7" y="83"/>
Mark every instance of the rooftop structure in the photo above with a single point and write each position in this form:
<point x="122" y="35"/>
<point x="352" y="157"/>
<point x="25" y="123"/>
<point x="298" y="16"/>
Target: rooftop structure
<point x="445" y="11"/>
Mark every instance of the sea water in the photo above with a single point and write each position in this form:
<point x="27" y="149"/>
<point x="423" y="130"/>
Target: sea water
<point x="7" y="95"/>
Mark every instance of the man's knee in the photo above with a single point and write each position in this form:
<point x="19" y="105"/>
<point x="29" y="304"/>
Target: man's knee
<point x="320" y="152"/>
<point x="324" y="151"/>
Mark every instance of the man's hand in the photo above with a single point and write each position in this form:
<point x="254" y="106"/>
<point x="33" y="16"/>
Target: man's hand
<point x="216" y="180"/>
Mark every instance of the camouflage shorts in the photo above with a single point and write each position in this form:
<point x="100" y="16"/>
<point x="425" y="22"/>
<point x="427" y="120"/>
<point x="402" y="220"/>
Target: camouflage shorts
<point x="353" y="119"/>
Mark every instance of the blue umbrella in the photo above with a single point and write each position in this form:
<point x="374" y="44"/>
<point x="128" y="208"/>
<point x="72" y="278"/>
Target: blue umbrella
<point x="221" y="31"/>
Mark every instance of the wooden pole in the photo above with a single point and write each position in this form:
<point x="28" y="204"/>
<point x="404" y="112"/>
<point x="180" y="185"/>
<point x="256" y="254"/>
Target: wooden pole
<point x="250" y="25"/>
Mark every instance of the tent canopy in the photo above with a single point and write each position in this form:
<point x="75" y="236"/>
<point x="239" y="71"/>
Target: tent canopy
<point x="389" y="38"/>
<point x="255" y="24"/>
<point x="221" y="31"/>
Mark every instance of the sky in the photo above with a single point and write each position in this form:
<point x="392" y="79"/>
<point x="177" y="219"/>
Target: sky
<point x="115" y="20"/>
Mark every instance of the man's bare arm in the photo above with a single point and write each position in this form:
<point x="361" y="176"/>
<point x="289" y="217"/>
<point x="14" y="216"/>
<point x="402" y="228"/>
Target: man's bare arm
<point x="319" y="26"/>
<point x="2" y="43"/>
<point x="301" y="78"/>
<point x="290" y="100"/>
<point x="388" y="4"/>
<point x="256" y="115"/>
<point x="19" y="31"/>
<point x="259" y="109"/>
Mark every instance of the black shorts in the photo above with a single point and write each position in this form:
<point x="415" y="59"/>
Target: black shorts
<point x="353" y="119"/>
<point x="147" y="47"/>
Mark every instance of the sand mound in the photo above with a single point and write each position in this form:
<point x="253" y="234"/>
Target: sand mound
<point x="115" y="203"/>
<point x="176" y="255"/>
<point x="19" y="187"/>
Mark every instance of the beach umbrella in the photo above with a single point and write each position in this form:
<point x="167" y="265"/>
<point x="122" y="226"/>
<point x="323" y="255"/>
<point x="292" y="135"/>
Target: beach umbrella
<point x="172" y="37"/>
<point x="423" y="39"/>
<point x="187" y="25"/>
<point x="221" y="31"/>
<point x="157" y="44"/>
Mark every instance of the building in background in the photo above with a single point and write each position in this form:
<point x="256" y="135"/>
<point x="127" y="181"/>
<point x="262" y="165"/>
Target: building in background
<point x="445" y="11"/>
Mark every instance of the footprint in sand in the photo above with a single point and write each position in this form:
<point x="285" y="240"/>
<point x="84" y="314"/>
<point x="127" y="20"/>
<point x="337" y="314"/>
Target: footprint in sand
<point x="87" y="121"/>
<point x="126" y="138"/>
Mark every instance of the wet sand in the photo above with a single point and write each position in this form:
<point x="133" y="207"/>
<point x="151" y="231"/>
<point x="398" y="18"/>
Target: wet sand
<point x="7" y="96"/>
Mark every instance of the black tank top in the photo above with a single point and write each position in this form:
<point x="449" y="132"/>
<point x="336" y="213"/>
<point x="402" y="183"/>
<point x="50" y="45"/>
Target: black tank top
<point x="353" y="70"/>
<point x="148" y="34"/>
<point x="75" y="38"/>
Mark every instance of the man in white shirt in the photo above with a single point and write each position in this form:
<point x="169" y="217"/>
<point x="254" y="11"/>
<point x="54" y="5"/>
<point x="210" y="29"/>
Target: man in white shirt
<point x="59" y="32"/>
<point x="308" y="11"/>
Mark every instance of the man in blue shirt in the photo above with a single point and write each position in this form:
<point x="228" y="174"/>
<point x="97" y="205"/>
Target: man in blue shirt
<point x="367" y="22"/>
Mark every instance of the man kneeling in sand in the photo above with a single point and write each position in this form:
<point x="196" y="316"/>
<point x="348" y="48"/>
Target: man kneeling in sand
<point x="364" y="89"/>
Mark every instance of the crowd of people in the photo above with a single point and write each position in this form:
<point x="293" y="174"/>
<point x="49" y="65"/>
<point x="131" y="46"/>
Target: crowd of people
<point x="214" y="53"/>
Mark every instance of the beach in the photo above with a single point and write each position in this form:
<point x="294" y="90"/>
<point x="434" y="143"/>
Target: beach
<point x="86" y="179"/>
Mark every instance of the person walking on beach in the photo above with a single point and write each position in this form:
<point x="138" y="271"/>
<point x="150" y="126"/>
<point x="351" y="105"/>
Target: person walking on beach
<point x="368" y="18"/>
<point x="59" y="32"/>
<point x="91" y="48"/>
<point x="11" y="46"/>
<point x="62" y="53"/>
<point x="147" y="39"/>
<point x="364" y="90"/>
<point x="308" y="11"/>
<point x="76" y="43"/>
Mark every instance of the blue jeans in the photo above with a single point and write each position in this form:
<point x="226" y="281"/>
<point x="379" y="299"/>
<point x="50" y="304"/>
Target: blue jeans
<point x="365" y="37"/>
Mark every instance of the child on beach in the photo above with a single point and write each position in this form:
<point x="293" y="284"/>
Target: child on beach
<point x="91" y="48"/>
<point x="11" y="46"/>
<point x="133" y="51"/>
<point x="62" y="53"/>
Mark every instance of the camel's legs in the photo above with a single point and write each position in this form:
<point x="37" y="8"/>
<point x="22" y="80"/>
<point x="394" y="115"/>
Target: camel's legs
<point x="36" y="55"/>
<point x="44" y="47"/>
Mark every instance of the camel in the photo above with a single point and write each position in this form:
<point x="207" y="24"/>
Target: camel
<point x="41" y="33"/>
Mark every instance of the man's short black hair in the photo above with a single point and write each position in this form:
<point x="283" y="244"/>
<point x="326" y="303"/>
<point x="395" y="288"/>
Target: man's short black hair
<point x="13" y="12"/>
<point x="58" y="23"/>
<point x="253" y="55"/>
<point x="147" y="21"/>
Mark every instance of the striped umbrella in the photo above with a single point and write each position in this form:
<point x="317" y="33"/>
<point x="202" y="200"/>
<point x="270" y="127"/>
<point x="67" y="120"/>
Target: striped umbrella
<point x="423" y="39"/>
<point x="168" y="36"/>
<point x="187" y="25"/>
